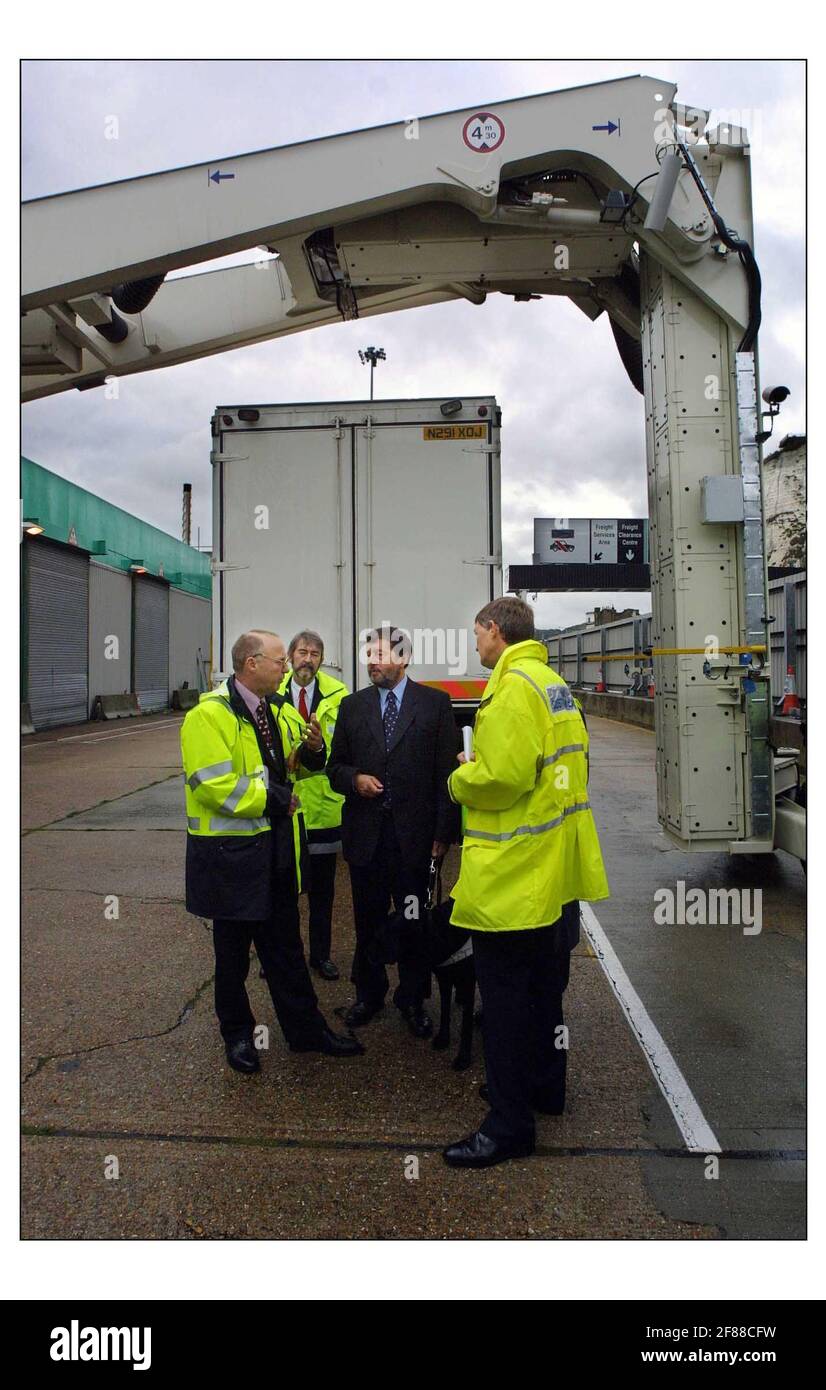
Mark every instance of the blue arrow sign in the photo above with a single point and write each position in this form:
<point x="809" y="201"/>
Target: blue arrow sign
<point x="217" y="177"/>
<point x="609" y="126"/>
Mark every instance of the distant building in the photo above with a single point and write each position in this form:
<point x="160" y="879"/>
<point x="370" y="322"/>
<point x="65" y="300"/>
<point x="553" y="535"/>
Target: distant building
<point x="111" y="605"/>
<point x="611" y="615"/>
<point x="784" y="499"/>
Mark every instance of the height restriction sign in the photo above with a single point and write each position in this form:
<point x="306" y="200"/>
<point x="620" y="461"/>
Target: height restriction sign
<point x="483" y="132"/>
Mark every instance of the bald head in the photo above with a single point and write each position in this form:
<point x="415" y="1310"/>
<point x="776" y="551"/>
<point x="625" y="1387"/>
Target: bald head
<point x="258" y="660"/>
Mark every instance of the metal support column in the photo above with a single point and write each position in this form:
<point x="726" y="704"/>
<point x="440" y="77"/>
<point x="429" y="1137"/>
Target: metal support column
<point x="756" y="597"/>
<point x="705" y="593"/>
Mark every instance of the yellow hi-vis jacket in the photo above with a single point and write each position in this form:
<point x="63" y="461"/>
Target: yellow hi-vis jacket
<point x="530" y="843"/>
<point x="225" y="778"/>
<point x="320" y="804"/>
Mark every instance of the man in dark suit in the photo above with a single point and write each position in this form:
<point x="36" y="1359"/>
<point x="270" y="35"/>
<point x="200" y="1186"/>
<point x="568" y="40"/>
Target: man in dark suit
<point x="394" y="745"/>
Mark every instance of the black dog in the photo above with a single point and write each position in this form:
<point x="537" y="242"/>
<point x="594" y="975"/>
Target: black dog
<point x="451" y="959"/>
<point x="450" y="954"/>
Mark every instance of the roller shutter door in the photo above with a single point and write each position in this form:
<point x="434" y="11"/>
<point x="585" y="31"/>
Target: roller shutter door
<point x="58" y="634"/>
<point x="151" y="644"/>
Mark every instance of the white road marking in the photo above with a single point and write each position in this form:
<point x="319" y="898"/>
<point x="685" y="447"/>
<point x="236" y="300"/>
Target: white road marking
<point x="99" y="738"/>
<point x="696" y="1131"/>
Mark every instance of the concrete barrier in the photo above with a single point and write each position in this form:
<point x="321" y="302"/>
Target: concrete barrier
<point x="115" y="707"/>
<point x="185" y="698"/>
<point x="26" y="725"/>
<point x="628" y="709"/>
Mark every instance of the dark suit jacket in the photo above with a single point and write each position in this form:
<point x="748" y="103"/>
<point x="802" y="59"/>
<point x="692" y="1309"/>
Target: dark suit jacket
<point x="416" y="767"/>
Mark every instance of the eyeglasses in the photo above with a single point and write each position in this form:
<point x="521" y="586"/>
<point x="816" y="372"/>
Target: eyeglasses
<point x="276" y="660"/>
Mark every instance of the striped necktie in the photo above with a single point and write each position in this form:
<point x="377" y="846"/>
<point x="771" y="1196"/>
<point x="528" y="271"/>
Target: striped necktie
<point x="263" y="724"/>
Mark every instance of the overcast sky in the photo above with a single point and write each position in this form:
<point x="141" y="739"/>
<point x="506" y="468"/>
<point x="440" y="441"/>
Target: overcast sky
<point x="572" y="438"/>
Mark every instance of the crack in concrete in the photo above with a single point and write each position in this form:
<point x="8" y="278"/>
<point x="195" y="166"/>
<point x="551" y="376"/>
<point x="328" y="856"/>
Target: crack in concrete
<point x="106" y="829"/>
<point x="410" y="1144"/>
<point x="94" y="893"/>
<point x="107" y="801"/>
<point x="183" y="1017"/>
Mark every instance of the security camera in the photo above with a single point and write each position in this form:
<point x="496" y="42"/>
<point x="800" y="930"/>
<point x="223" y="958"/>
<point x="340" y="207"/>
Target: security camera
<point x="776" y="395"/>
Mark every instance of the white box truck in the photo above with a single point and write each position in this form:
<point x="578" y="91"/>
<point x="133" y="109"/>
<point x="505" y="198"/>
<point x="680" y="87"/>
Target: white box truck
<point x="340" y="516"/>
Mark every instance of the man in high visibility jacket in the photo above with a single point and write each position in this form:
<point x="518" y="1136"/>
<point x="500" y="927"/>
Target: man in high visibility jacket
<point x="530" y="846"/>
<point x="314" y="694"/>
<point x="243" y="749"/>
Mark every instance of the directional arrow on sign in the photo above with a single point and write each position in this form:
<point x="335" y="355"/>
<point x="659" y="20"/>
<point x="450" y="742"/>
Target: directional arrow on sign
<point x="218" y="177"/>
<point x="609" y="126"/>
<point x="629" y="554"/>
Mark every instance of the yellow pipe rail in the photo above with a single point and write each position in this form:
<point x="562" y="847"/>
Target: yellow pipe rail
<point x="664" y="651"/>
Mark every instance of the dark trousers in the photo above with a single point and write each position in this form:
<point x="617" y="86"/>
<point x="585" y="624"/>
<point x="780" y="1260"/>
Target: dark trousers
<point x="385" y="880"/>
<point x="321" y="889"/>
<point x="281" y="953"/>
<point x="522" y="976"/>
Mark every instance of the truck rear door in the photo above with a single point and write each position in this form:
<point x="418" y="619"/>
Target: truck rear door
<point x="284" y="538"/>
<point x="426" y="528"/>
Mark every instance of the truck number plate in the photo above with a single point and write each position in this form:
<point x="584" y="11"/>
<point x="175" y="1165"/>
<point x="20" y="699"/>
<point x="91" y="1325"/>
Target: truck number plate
<point x="431" y="432"/>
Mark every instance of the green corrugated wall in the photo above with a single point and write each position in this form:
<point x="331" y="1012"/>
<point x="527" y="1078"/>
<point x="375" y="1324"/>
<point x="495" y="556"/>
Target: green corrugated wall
<point x="113" y="535"/>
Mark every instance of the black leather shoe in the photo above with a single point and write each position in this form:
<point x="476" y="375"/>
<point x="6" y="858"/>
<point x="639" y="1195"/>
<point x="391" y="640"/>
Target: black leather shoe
<point x="242" y="1056"/>
<point x="541" y="1104"/>
<point x="419" y="1022"/>
<point x="332" y="1044"/>
<point x="340" y="1044"/>
<point x="325" y="969"/>
<point x="360" y="1013"/>
<point x="478" y="1151"/>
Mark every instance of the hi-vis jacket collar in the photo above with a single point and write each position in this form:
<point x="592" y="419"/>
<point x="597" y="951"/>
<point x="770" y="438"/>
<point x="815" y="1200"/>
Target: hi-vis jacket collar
<point x="517" y="651"/>
<point x="327" y="685"/>
<point x="228" y="693"/>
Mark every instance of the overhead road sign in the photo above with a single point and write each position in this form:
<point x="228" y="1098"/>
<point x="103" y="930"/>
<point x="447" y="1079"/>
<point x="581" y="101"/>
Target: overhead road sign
<point x="590" y="540"/>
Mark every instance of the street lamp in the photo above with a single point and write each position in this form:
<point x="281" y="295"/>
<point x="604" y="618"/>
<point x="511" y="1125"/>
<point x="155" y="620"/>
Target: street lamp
<point x="372" y="355"/>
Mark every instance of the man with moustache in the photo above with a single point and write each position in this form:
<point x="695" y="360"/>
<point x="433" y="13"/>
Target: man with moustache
<point x="317" y="696"/>
<point x="244" y="843"/>
<point x="394" y="746"/>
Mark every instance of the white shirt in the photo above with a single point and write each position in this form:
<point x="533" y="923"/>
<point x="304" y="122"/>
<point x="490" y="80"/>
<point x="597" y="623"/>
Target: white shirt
<point x="309" y="692"/>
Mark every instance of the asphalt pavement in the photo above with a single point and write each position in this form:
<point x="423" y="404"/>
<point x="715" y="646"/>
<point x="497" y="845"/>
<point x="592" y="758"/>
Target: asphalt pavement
<point x="686" y="1098"/>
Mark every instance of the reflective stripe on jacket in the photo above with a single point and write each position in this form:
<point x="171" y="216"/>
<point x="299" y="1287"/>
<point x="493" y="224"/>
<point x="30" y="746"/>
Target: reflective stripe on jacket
<point x="320" y="804"/>
<point x="530" y="843"/>
<point x="225" y="776"/>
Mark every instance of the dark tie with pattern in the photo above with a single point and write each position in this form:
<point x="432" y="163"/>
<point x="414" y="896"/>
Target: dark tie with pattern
<point x="264" y="725"/>
<point x="391" y="714"/>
